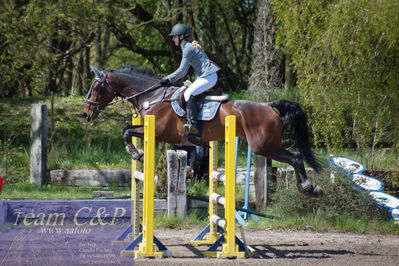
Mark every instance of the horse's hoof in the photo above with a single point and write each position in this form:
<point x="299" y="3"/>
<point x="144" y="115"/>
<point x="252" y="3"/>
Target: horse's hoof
<point x="309" y="190"/>
<point x="318" y="191"/>
<point x="305" y="187"/>
<point x="137" y="154"/>
<point x="141" y="155"/>
<point x="138" y="157"/>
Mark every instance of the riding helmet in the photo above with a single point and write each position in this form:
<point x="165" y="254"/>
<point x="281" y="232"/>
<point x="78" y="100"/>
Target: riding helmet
<point x="180" y="29"/>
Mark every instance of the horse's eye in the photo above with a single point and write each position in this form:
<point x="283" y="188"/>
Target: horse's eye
<point x="99" y="89"/>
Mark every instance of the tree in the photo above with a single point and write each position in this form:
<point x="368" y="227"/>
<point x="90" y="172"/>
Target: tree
<point x="227" y="39"/>
<point x="47" y="47"/>
<point x="267" y="70"/>
<point x="346" y="57"/>
<point x="39" y="39"/>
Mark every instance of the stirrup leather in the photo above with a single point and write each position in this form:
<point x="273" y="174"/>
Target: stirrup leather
<point x="191" y="129"/>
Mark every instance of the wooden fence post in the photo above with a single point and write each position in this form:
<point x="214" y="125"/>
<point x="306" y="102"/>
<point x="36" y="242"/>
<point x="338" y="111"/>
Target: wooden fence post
<point x="262" y="177"/>
<point x="38" y="154"/>
<point x="177" y="193"/>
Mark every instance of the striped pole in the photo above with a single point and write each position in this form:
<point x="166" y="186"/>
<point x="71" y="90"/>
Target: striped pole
<point x="135" y="193"/>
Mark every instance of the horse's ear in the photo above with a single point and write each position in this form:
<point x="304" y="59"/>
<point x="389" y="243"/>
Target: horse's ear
<point x="99" y="74"/>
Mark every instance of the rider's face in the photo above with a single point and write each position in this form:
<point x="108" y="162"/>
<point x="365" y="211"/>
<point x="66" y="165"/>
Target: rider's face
<point x="176" y="39"/>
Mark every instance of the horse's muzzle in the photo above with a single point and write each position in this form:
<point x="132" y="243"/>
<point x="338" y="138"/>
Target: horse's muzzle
<point x="89" y="117"/>
<point x="86" y="116"/>
<point x="90" y="112"/>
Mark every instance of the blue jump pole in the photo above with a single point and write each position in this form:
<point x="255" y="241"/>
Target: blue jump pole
<point x="239" y="218"/>
<point x="242" y="214"/>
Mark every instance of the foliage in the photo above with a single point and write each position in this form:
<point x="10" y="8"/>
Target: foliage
<point x="36" y="37"/>
<point x="291" y="94"/>
<point x="241" y="95"/>
<point x="197" y="187"/>
<point x="346" y="57"/>
<point x="341" y="209"/>
<point x="339" y="199"/>
<point x="46" y="47"/>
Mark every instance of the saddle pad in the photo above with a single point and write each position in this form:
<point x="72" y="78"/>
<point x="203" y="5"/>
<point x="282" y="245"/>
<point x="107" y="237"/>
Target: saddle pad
<point x="206" y="113"/>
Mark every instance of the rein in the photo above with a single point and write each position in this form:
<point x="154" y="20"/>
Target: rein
<point x="146" y="105"/>
<point x="125" y="99"/>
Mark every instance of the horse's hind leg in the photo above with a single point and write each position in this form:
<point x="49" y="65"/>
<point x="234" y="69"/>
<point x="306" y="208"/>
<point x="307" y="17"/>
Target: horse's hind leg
<point x="304" y="185"/>
<point x="128" y="133"/>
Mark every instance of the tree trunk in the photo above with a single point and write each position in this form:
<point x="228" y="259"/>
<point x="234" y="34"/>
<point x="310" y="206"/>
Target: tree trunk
<point x="289" y="76"/>
<point x="105" y="49"/>
<point x="87" y="77"/>
<point x="266" y="67"/>
<point x="51" y="85"/>
<point x="97" y="50"/>
<point x="68" y="77"/>
<point x="78" y="83"/>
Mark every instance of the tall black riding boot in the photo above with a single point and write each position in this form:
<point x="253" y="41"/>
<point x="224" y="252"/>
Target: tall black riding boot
<point x="191" y="123"/>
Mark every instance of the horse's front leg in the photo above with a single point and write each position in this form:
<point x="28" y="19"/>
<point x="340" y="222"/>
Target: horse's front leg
<point x="128" y="133"/>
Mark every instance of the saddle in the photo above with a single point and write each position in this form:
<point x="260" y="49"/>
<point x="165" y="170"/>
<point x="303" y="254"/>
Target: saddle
<point x="208" y="102"/>
<point x="200" y="98"/>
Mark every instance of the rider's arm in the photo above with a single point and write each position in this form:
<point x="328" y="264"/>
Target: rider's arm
<point x="184" y="65"/>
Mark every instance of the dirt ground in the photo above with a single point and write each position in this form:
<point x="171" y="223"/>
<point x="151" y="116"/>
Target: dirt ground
<point x="71" y="245"/>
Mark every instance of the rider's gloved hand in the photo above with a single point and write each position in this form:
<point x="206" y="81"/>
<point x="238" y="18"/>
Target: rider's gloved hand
<point x="165" y="82"/>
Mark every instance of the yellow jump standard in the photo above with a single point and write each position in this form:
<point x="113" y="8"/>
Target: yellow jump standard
<point x="149" y="245"/>
<point x="220" y="230"/>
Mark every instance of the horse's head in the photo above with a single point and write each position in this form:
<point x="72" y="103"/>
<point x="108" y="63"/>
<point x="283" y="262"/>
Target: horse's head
<point x="99" y="96"/>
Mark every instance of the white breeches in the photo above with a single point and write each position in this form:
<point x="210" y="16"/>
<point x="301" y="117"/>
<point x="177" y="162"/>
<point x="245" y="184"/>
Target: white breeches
<point x="200" y="85"/>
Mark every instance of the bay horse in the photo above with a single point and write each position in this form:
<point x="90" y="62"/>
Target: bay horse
<point x="261" y="124"/>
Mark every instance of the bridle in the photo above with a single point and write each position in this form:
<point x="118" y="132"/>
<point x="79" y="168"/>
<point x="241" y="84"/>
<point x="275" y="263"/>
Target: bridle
<point x="103" y="80"/>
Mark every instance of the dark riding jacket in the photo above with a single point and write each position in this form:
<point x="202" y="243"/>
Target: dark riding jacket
<point x="195" y="57"/>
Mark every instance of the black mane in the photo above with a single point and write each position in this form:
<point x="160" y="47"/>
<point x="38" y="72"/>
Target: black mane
<point x="133" y="70"/>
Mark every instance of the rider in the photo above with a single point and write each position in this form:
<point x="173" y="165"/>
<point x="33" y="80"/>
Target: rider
<point x="205" y="70"/>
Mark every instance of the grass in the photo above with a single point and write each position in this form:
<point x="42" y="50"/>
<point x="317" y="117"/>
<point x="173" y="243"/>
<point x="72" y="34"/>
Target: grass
<point x="25" y="190"/>
<point x="90" y="145"/>
<point x="318" y="223"/>
<point x="341" y="209"/>
<point x="196" y="219"/>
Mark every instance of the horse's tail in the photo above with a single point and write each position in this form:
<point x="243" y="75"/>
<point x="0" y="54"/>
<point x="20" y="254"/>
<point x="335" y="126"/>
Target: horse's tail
<point x="294" y="117"/>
